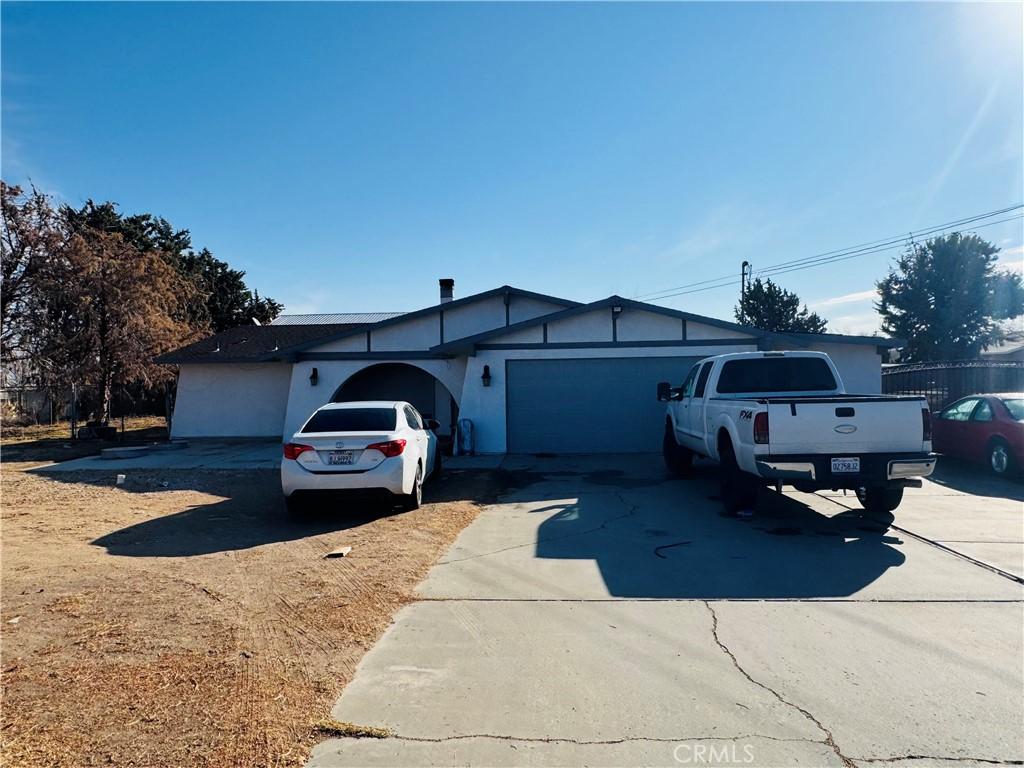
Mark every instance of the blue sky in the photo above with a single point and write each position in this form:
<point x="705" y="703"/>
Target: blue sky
<point x="348" y="155"/>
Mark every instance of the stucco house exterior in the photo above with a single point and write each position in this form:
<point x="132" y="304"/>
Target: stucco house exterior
<point x="531" y="372"/>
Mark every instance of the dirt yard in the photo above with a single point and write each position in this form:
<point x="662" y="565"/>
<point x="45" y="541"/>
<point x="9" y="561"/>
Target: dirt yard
<point x="183" y="619"/>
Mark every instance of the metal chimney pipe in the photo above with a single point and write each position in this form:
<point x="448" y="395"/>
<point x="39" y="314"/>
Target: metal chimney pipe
<point x="447" y="289"/>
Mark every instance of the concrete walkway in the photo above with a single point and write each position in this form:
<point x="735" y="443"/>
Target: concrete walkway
<point x="606" y="615"/>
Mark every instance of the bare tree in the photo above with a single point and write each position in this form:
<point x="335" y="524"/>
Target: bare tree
<point x="32" y="233"/>
<point x="109" y="309"/>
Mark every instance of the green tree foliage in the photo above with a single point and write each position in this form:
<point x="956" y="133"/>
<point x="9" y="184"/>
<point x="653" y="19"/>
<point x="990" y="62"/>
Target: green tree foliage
<point x="221" y="300"/>
<point x="227" y="303"/>
<point x="945" y="296"/>
<point x="772" y="308"/>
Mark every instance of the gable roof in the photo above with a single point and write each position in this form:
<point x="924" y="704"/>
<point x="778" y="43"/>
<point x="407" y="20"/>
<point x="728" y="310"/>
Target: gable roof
<point x="335" y="318"/>
<point x="280" y="341"/>
<point x="505" y="290"/>
<point x="579" y="309"/>
<point x="252" y="343"/>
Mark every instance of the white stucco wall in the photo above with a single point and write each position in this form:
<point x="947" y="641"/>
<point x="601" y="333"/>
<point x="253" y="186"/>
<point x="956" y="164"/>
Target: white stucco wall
<point x="634" y="325"/>
<point x="231" y="400"/>
<point x="859" y="365"/>
<point x="589" y="326"/>
<point x="418" y="333"/>
<point x="303" y="398"/>
<point x="355" y="343"/>
<point x="485" y="406"/>
<point x="532" y="335"/>
<point x="470" y="319"/>
<point x="697" y="331"/>
<point x="526" y="308"/>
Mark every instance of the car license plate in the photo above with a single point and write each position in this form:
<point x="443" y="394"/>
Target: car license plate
<point x="846" y="466"/>
<point x="341" y="457"/>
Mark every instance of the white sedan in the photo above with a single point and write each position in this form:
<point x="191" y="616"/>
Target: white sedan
<point x="374" y="445"/>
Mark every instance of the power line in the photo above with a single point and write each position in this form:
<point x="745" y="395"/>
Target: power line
<point x="769" y="271"/>
<point x="842" y="254"/>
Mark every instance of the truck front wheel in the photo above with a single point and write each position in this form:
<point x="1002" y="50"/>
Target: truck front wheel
<point x="880" y="499"/>
<point x="678" y="460"/>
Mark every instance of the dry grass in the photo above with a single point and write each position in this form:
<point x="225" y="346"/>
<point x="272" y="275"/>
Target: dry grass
<point x="192" y="623"/>
<point x="41" y="443"/>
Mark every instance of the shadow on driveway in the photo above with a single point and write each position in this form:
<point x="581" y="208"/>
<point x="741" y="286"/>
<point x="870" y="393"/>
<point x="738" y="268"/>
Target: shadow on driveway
<point x="976" y="480"/>
<point x="668" y="538"/>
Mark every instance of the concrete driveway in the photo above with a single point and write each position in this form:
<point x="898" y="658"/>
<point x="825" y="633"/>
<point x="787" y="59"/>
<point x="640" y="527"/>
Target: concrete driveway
<point x="604" y="614"/>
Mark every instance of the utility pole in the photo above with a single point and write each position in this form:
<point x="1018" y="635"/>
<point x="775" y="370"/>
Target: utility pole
<point x="744" y="267"/>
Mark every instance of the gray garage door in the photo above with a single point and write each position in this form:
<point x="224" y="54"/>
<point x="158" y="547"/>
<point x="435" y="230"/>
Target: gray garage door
<point x="604" y="405"/>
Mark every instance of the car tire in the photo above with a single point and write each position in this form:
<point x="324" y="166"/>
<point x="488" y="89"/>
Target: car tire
<point x="738" y="489"/>
<point x="412" y="501"/>
<point x="879" y="499"/>
<point x="1000" y="459"/>
<point x="678" y="460"/>
<point x="295" y="506"/>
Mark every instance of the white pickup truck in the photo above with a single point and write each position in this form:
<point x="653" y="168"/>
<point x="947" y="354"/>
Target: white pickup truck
<point x="784" y="418"/>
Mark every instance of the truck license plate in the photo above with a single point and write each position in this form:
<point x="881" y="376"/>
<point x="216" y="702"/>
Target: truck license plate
<point x="848" y="465"/>
<point x="341" y="457"/>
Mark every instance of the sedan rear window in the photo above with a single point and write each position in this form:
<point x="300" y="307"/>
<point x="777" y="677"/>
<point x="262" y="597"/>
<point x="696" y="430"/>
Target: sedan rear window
<point x="776" y="374"/>
<point x="1015" y="407"/>
<point x="352" y="420"/>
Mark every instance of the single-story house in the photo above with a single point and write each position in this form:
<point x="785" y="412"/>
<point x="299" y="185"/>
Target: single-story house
<point x="532" y="373"/>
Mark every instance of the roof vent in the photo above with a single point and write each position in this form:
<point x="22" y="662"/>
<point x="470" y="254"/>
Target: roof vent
<point x="447" y="289"/>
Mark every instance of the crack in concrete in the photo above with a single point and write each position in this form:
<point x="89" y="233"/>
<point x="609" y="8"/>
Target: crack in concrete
<point x="632" y="510"/>
<point x="614" y="599"/>
<point x="894" y="758"/>
<point x="829" y="739"/>
<point x="597" y="742"/>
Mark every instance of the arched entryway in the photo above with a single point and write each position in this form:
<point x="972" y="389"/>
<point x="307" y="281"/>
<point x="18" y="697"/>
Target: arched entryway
<point x="401" y="381"/>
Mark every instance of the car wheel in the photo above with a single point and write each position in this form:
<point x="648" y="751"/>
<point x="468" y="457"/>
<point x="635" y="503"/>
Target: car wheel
<point x="415" y="499"/>
<point x="880" y="499"/>
<point x="295" y="506"/>
<point x="678" y="460"/>
<point x="738" y="489"/>
<point x="1000" y="460"/>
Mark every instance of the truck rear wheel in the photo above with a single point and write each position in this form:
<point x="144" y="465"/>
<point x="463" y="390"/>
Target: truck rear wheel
<point x="678" y="460"/>
<point x="880" y="499"/>
<point x="738" y="488"/>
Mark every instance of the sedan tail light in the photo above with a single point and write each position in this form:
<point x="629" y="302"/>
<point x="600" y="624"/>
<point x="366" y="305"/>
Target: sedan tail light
<point x="294" y="450"/>
<point x="761" y="428"/>
<point x="926" y="424"/>
<point x="389" y="449"/>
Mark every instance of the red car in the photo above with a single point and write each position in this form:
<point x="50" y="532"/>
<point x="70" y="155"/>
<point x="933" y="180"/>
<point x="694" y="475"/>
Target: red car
<point x="983" y="428"/>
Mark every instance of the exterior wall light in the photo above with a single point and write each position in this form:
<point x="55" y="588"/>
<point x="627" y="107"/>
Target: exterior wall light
<point x="314" y="377"/>
<point x="486" y="376"/>
<point x="616" y="309"/>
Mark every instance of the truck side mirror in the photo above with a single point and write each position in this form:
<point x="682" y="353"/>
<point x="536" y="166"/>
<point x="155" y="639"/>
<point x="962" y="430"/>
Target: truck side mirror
<point x="664" y="391"/>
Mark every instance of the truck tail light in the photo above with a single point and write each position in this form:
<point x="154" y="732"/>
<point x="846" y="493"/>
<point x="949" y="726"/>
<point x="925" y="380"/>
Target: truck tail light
<point x="926" y="424"/>
<point x="389" y="449"/>
<point x="294" y="450"/>
<point x="761" y="428"/>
